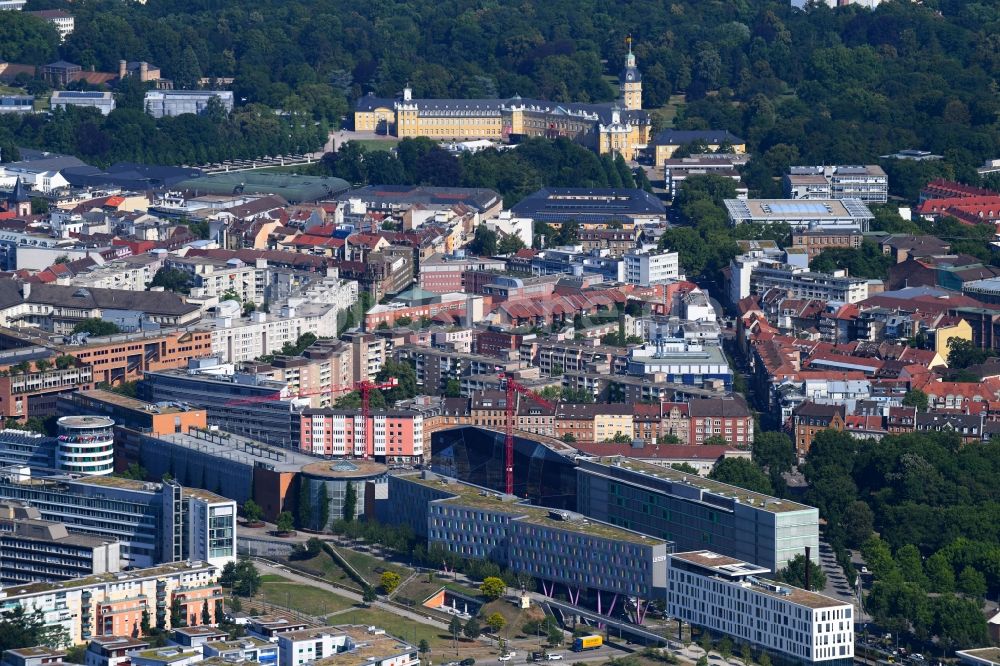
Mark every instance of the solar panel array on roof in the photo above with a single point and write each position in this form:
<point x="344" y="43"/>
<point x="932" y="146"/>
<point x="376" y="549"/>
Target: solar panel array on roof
<point x="798" y="207"/>
<point x="81" y="94"/>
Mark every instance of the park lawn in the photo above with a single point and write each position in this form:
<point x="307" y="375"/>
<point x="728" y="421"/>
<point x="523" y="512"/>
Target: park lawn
<point x="516" y="617"/>
<point x="302" y="598"/>
<point x="371" y="567"/>
<point x="324" y="567"/>
<point x="376" y="144"/>
<point x="418" y="590"/>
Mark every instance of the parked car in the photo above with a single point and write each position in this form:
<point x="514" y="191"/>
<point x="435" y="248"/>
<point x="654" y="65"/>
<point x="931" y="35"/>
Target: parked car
<point x="504" y="657"/>
<point x="555" y="657"/>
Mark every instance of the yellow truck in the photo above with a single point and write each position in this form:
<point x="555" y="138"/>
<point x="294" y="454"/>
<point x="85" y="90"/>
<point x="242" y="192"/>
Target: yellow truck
<point x="582" y="643"/>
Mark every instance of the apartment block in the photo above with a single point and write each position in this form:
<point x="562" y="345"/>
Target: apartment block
<point x="112" y="650"/>
<point x="212" y="278"/>
<point x="33" y="550"/>
<point x="346" y="645"/>
<point x="650" y="268"/>
<point x="369" y="353"/>
<point x="728" y="596"/>
<point x="113" y="604"/>
<point x="394" y="435"/>
<point x="248" y="648"/>
<point x="695" y="512"/>
<point x="434" y="367"/>
<point x="729" y="418"/>
<point x="236" y="339"/>
<point x="323" y="372"/>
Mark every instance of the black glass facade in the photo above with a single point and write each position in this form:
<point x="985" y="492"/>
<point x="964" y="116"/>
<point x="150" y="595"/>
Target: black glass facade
<point x="476" y="455"/>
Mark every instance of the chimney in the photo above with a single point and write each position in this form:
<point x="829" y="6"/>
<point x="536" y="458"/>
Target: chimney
<point x="25" y="290"/>
<point x="122" y="69"/>
<point x="808" y="565"/>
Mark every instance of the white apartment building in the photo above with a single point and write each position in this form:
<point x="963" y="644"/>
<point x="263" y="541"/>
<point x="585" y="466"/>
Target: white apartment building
<point x="64" y="23"/>
<point x="510" y="225"/>
<point x="211" y="278"/>
<point x="649" y="268"/>
<point x="727" y="595"/>
<point x="363" y="646"/>
<point x="128" y="273"/>
<point x="296" y="648"/>
<point x="236" y="339"/>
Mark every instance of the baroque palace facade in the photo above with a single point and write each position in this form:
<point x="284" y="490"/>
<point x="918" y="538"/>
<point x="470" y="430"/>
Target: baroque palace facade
<point x="614" y="127"/>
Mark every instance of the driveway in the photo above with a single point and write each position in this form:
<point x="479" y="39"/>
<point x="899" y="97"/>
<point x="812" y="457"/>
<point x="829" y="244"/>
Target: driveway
<point x="836" y="582"/>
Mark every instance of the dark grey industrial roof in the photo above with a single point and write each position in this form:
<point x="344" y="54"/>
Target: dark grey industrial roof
<point x="385" y="195"/>
<point x="590" y="205"/>
<point x="672" y="137"/>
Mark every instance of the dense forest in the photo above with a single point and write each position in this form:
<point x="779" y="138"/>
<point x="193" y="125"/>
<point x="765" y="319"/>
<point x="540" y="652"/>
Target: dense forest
<point x="924" y="511"/>
<point x="821" y="86"/>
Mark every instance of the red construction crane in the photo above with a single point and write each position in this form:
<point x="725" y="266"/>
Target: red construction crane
<point x="513" y="388"/>
<point x="365" y="387"/>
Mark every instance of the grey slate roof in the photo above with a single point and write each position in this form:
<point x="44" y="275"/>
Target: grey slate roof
<point x="672" y="137"/>
<point x="151" y="302"/>
<point x="551" y="204"/>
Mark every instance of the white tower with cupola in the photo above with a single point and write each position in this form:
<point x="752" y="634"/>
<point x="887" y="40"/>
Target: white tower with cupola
<point x="630" y="81"/>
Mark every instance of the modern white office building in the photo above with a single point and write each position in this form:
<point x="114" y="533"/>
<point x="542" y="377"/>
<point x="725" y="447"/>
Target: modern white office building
<point x="155" y="522"/>
<point x="769" y="268"/>
<point x="649" y="268"/>
<point x="17" y="103"/>
<point x="728" y="596"/>
<point x="86" y="445"/>
<point x="828" y="213"/>
<point x="161" y="103"/>
<point x="102" y="101"/>
<point x="866" y="182"/>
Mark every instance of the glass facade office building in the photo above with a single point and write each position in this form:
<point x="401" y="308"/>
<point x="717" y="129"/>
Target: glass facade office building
<point x="477" y="456"/>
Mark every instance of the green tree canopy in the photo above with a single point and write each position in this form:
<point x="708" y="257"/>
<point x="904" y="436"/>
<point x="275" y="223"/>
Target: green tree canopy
<point x="742" y="473"/>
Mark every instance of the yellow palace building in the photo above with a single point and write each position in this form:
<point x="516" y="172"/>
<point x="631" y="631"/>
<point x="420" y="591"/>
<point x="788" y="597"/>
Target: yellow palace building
<point x="614" y="127"/>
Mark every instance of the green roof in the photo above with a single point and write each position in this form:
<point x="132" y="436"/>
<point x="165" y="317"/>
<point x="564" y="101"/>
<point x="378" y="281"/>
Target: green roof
<point x="295" y="188"/>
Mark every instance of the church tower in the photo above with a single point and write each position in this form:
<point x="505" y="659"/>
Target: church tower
<point x="630" y="81"/>
<point x="18" y="200"/>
